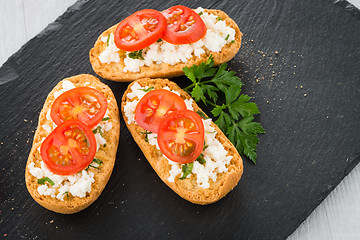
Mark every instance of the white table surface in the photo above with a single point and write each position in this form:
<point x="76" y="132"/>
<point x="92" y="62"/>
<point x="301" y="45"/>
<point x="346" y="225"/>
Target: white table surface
<point x="337" y="217"/>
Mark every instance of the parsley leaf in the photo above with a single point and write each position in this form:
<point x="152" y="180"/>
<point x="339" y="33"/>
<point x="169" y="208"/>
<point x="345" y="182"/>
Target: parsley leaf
<point x="105" y="119"/>
<point x="219" y="18"/>
<point x="204" y="70"/>
<point x="243" y="107"/>
<point x="45" y="179"/>
<point x="244" y="133"/>
<point x="235" y="117"/>
<point x="136" y="55"/>
<point x="200" y="13"/>
<point x="187" y="169"/>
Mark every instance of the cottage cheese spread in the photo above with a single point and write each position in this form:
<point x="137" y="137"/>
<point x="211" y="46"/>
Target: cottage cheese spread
<point x="215" y="154"/>
<point x="78" y="184"/>
<point x="217" y="36"/>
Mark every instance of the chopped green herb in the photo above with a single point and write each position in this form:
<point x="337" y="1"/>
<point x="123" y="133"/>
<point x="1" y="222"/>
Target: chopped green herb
<point x="219" y="18"/>
<point x="187" y="169"/>
<point x="235" y="116"/>
<point x="67" y="193"/>
<point x="97" y="161"/>
<point x="107" y="41"/>
<point x="202" y="114"/>
<point x="98" y="129"/>
<point x="136" y="55"/>
<point x="105" y="119"/>
<point x="146" y="135"/>
<point x="227" y="37"/>
<point x="104" y="145"/>
<point x="87" y="168"/>
<point x="200" y="13"/>
<point x="147" y="89"/>
<point x="201" y="159"/>
<point x="232" y="41"/>
<point x="45" y="179"/>
<point x="159" y="40"/>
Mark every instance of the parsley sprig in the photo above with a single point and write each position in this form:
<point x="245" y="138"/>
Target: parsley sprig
<point x="235" y="117"/>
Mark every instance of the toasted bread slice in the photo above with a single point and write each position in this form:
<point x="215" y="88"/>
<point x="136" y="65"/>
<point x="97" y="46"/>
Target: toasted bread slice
<point x="186" y="188"/>
<point x="107" y="154"/>
<point x="115" y="71"/>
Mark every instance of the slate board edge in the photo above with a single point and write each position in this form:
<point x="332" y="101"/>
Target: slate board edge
<point x="51" y="27"/>
<point x="353" y="163"/>
<point x="349" y="7"/>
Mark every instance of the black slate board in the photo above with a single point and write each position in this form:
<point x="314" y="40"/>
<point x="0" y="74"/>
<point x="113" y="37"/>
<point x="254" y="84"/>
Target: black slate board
<point x="308" y="94"/>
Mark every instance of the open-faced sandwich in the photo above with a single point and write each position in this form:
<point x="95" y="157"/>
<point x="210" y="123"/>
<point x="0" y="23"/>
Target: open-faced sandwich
<point x="157" y="44"/>
<point x="185" y="148"/>
<point x="74" y="146"/>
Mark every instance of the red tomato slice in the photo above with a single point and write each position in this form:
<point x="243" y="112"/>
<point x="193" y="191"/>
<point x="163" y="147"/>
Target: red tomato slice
<point x="183" y="25"/>
<point x="156" y="104"/>
<point x="181" y="136"/>
<point x="69" y="148"/>
<point x="140" y="30"/>
<point x="85" y="104"/>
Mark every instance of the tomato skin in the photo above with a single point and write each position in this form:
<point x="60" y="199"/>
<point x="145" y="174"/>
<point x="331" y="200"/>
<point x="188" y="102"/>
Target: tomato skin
<point x="184" y="25"/>
<point x="81" y="150"/>
<point x="76" y="104"/>
<point x="154" y="106"/>
<point x="181" y="136"/>
<point x="139" y="30"/>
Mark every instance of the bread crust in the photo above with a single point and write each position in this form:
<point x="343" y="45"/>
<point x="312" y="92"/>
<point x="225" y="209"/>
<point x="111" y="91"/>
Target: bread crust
<point x="114" y="71"/>
<point x="107" y="154"/>
<point x="186" y="188"/>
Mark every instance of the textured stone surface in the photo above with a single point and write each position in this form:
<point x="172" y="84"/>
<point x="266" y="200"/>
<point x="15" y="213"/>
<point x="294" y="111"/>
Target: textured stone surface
<point x="308" y="95"/>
